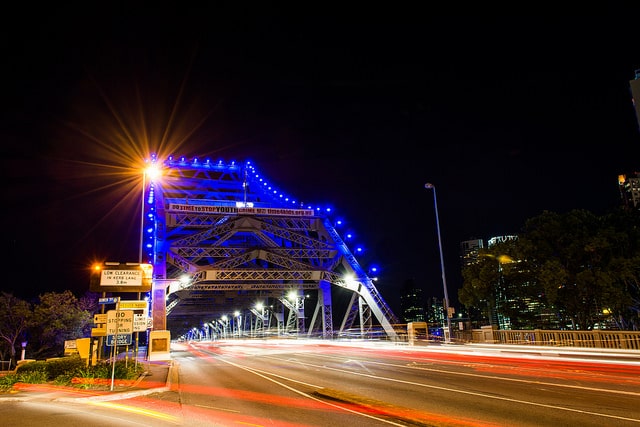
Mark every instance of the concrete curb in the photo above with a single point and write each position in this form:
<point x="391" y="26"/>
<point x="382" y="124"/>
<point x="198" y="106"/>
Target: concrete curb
<point x="119" y="395"/>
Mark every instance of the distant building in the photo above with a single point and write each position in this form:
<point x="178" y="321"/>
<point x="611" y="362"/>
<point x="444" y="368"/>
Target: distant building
<point x="628" y="185"/>
<point x="469" y="251"/>
<point x="634" y="85"/>
<point x="412" y="303"/>
<point x="630" y="190"/>
<point x="499" y="239"/>
<point x="435" y="313"/>
<point x="501" y="299"/>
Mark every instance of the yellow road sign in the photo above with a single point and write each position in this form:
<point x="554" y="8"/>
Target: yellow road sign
<point x="100" y="318"/>
<point x="133" y="305"/>
<point x="98" y="332"/>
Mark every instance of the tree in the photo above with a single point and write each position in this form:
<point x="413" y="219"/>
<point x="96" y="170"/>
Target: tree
<point x="623" y="297"/>
<point x="577" y="269"/>
<point x="581" y="262"/>
<point x="479" y="281"/>
<point x="15" y="315"/>
<point x="566" y="252"/>
<point x="89" y="302"/>
<point x="624" y="300"/>
<point x="57" y="318"/>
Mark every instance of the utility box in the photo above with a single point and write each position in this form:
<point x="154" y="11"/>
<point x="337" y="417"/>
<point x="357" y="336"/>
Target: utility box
<point x="159" y="345"/>
<point x="417" y="331"/>
<point x="484" y="334"/>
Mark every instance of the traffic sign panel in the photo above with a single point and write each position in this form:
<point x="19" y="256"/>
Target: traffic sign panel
<point x="140" y="322"/>
<point x="123" y="319"/>
<point x="100" y="318"/>
<point x="98" y="332"/>
<point x="110" y="300"/>
<point x="123" y="339"/>
<point x="133" y="305"/>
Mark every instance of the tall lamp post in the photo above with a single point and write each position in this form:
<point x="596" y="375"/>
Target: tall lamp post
<point x="144" y="184"/>
<point x="153" y="172"/>
<point x="447" y="331"/>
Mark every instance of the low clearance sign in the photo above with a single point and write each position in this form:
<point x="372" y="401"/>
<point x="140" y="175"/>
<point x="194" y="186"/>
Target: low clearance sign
<point x="121" y="278"/>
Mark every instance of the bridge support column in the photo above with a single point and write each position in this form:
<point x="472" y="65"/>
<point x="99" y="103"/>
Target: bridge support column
<point x="159" y="304"/>
<point x="324" y="300"/>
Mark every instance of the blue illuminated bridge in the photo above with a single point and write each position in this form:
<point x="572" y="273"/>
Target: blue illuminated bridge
<point x="222" y="240"/>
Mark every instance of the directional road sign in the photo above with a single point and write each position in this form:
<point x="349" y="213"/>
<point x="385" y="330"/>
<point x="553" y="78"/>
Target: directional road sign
<point x="100" y="318"/>
<point x="122" y="340"/>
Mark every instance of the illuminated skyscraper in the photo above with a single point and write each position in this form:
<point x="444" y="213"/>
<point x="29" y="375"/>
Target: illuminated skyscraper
<point x="630" y="190"/>
<point x="412" y="303"/>
<point x="635" y="94"/>
<point x="469" y="251"/>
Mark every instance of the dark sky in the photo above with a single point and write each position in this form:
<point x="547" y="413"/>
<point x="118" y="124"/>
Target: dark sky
<point x="508" y="116"/>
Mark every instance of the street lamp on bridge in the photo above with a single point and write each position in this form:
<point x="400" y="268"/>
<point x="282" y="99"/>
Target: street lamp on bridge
<point x="238" y="317"/>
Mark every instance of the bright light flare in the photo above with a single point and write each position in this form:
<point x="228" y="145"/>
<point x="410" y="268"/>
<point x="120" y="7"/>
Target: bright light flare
<point x="110" y="132"/>
<point x="349" y="279"/>
<point x="153" y="172"/>
<point x="505" y="259"/>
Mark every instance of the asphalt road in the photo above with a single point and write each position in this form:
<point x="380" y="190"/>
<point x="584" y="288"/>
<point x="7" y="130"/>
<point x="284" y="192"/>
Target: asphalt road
<point x="290" y="383"/>
<point x="321" y="385"/>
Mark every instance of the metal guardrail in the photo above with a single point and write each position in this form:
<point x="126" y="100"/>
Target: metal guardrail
<point x="620" y="340"/>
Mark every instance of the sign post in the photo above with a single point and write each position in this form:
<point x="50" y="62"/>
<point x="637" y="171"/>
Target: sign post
<point x="114" y="351"/>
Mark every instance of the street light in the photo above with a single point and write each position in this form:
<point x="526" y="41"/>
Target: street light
<point x="260" y="319"/>
<point x="447" y="331"/>
<point x="225" y="325"/>
<point x="238" y="318"/>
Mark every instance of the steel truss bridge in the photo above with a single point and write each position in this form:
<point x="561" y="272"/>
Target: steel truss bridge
<point x="222" y="239"/>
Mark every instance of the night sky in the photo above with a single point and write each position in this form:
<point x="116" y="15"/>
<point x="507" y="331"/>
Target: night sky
<point x="507" y="117"/>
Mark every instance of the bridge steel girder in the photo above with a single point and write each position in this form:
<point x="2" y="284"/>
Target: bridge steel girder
<point x="239" y="243"/>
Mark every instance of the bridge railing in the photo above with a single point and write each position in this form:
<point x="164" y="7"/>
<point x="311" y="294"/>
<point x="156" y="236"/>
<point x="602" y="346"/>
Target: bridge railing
<point x="621" y="340"/>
